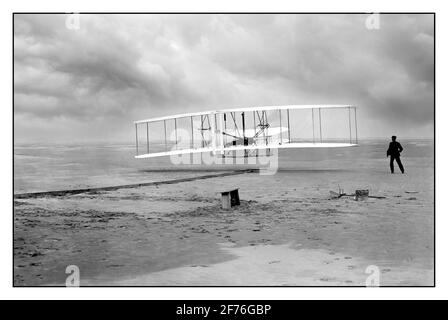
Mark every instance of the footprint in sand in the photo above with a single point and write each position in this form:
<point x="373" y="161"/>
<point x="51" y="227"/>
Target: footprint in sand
<point x="275" y="261"/>
<point x="351" y="267"/>
<point x="326" y="279"/>
<point x="347" y="258"/>
<point x="385" y="270"/>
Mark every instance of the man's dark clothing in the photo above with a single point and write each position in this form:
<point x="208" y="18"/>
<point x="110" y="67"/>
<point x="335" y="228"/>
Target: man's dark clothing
<point x="394" y="152"/>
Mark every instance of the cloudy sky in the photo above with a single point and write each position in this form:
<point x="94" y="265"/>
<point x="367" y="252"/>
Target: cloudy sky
<point x="88" y="84"/>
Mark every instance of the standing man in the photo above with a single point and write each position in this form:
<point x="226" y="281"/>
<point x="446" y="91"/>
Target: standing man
<point x="394" y="151"/>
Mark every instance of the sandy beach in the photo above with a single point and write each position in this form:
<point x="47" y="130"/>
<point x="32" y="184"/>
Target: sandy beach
<point x="286" y="232"/>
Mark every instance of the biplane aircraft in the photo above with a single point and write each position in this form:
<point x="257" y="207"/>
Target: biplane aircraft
<point x="247" y="130"/>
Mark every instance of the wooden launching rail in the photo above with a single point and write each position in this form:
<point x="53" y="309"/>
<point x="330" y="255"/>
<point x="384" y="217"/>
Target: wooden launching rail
<point x="61" y="193"/>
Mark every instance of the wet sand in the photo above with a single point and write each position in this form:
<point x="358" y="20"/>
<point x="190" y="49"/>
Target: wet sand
<point x="287" y="231"/>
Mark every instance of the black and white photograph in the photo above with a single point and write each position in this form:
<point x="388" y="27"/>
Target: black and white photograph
<point x="223" y="149"/>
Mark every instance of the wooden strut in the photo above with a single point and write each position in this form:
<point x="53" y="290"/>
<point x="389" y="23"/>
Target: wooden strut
<point x="268" y="151"/>
<point x="192" y="134"/>
<point x="244" y="125"/>
<point x="255" y="124"/>
<point x="225" y="128"/>
<point x="320" y="127"/>
<point x="244" y="132"/>
<point x="289" y="128"/>
<point x="255" y="132"/>
<point x="203" y="117"/>
<point x="175" y="131"/>
<point x="281" y="135"/>
<point x="214" y="130"/>
<point x="221" y="136"/>
<point x="263" y="124"/>
<point x="350" y="123"/>
<point x="232" y="114"/>
<point x="267" y="126"/>
<point x="202" y="134"/>
<point x="356" y="129"/>
<point x="202" y="131"/>
<point x="234" y="123"/>
<point x="312" y="119"/>
<point x="164" y="129"/>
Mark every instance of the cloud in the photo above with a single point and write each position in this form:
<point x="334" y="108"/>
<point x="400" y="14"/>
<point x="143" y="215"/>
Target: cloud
<point x="119" y="68"/>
